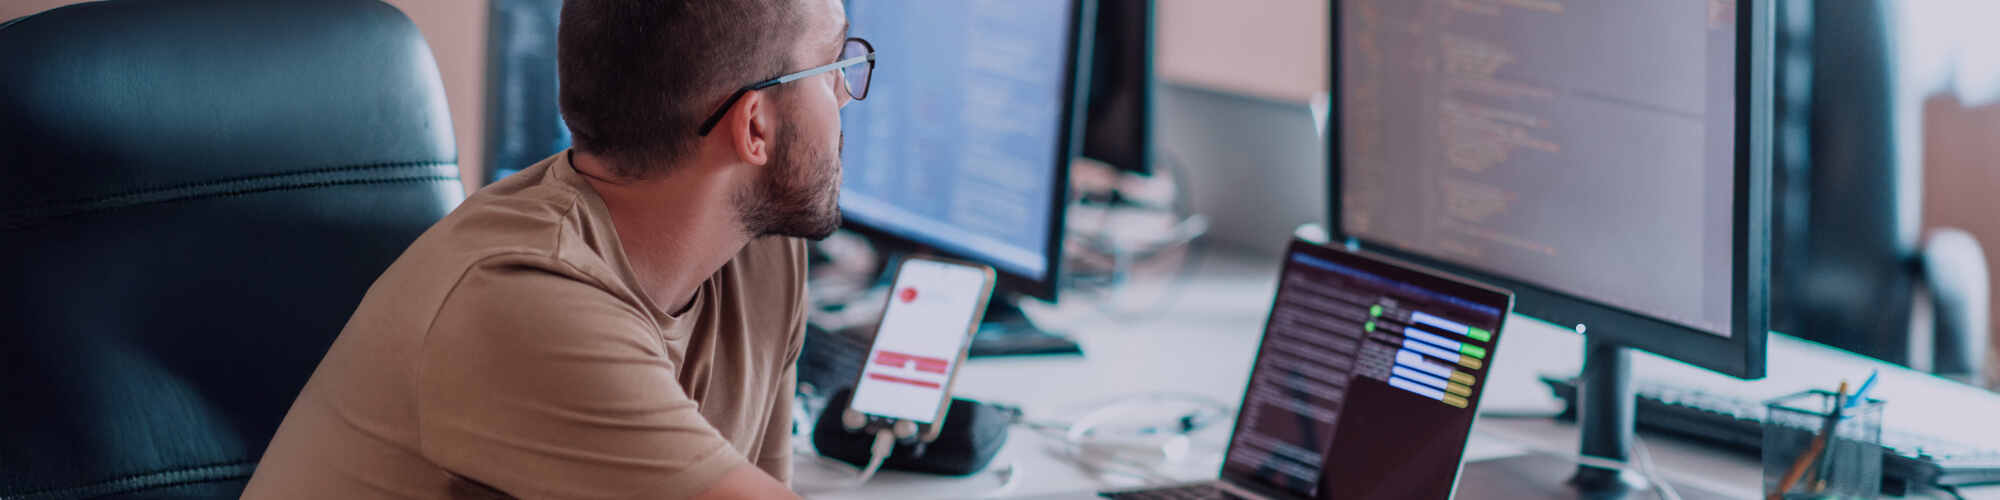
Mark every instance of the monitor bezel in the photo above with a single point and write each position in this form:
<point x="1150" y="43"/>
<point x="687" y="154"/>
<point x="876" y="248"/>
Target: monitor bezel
<point x="1742" y="353"/>
<point x="1069" y="140"/>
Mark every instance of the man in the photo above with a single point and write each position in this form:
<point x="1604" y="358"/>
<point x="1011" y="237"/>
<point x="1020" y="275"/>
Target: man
<point x="621" y="320"/>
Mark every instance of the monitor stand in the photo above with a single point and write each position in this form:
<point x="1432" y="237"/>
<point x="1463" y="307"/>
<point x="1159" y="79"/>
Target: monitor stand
<point x="1605" y="416"/>
<point x="1006" y="331"/>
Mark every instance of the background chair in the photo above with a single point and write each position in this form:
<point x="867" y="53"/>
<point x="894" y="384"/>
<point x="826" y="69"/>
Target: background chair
<point x="194" y="196"/>
<point x="1851" y="268"/>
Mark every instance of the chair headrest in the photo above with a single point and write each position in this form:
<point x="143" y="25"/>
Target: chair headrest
<point x="109" y="104"/>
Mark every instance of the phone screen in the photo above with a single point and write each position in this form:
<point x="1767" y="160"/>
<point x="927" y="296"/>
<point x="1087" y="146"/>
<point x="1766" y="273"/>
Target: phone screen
<point x="917" y="348"/>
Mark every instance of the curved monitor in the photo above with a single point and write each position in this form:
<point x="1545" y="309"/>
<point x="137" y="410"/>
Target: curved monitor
<point x="964" y="143"/>
<point x="1609" y="161"/>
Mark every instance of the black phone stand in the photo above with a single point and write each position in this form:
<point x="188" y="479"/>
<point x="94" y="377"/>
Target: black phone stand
<point x="972" y="435"/>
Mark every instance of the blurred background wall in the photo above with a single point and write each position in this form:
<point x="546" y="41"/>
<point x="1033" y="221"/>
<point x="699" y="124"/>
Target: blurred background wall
<point x="1259" y="61"/>
<point x="1274" y="49"/>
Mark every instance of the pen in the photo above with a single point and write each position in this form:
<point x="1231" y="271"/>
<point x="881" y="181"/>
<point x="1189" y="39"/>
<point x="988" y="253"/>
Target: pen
<point x="1812" y="451"/>
<point x="1861" y="395"/>
<point x="1817" y="479"/>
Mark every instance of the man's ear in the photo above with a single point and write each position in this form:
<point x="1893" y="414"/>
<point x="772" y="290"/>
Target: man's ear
<point x="750" y="130"/>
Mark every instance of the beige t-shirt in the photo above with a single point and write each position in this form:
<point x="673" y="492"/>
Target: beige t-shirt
<point x="511" y="349"/>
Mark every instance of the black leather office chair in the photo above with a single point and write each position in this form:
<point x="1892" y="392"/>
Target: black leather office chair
<point x="1850" y="264"/>
<point x="194" y="196"/>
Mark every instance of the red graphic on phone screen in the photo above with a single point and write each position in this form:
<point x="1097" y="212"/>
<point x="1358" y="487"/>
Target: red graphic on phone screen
<point x="908" y="295"/>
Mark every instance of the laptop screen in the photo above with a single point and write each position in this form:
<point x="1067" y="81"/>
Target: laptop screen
<point x="1367" y="381"/>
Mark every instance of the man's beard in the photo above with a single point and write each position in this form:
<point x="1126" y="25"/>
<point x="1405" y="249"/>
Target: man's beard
<point x="800" y="194"/>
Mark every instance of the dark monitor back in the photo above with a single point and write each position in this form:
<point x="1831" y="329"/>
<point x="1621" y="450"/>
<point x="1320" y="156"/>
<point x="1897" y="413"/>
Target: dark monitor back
<point x="523" y="121"/>
<point x="1118" y="123"/>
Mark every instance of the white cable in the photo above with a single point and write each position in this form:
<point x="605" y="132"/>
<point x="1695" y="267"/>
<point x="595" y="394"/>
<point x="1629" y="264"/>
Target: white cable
<point x="885" y="442"/>
<point x="1102" y="404"/>
<point x="1645" y="457"/>
<point x="1009" y="478"/>
<point x="1076" y="433"/>
<point x="1073" y="440"/>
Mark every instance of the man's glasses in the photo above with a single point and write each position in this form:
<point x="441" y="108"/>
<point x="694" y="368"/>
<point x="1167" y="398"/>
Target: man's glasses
<point x="857" y="61"/>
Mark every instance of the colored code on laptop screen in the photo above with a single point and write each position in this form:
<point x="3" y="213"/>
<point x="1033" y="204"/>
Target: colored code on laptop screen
<point x="1365" y="386"/>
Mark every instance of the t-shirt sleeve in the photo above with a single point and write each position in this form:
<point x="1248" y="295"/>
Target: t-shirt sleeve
<point x="538" y="383"/>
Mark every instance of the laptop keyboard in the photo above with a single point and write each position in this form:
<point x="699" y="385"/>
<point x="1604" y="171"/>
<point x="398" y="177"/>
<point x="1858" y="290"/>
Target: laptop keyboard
<point x="1198" y="491"/>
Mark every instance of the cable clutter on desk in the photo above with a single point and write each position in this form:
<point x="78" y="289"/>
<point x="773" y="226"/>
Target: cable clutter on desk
<point x="1134" y="435"/>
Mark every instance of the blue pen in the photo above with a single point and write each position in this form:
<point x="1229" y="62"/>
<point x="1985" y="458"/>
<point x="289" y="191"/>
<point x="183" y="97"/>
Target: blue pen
<point x="1861" y="395"/>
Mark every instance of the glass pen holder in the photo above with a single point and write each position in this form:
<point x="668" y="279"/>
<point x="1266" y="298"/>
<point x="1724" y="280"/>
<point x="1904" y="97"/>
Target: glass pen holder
<point x="1807" y="454"/>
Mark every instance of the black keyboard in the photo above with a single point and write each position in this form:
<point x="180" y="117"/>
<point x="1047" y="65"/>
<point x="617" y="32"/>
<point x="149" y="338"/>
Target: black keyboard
<point x="1911" y="461"/>
<point x="1009" y="338"/>
<point x="828" y="362"/>
<point x="1197" y="491"/>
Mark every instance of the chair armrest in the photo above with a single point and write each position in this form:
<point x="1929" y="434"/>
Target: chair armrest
<point x="1955" y="272"/>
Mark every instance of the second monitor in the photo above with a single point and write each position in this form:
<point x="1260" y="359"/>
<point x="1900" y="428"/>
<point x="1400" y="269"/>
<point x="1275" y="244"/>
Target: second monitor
<point x="963" y="147"/>
<point x="1608" y="161"/>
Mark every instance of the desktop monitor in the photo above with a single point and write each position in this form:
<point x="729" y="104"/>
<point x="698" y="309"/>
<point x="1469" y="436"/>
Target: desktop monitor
<point x="964" y="143"/>
<point x="1608" y="161"/>
<point x="1118" y="122"/>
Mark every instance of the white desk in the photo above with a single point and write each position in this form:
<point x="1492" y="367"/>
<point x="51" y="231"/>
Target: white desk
<point x="1206" y="343"/>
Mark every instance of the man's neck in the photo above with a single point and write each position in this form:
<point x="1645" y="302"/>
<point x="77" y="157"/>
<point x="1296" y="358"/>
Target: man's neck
<point x="676" y="230"/>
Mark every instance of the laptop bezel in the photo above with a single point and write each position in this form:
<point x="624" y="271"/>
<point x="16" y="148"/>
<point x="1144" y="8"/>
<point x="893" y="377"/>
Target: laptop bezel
<point x="1387" y="267"/>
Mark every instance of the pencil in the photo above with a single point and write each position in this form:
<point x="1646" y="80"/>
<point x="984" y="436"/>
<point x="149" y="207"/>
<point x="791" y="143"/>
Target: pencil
<point x="1828" y="429"/>
<point x="1812" y="451"/>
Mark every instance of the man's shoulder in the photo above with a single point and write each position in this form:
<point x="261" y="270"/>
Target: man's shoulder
<point x="528" y="218"/>
<point x="527" y="249"/>
<point x="513" y="235"/>
<point x="519" y="217"/>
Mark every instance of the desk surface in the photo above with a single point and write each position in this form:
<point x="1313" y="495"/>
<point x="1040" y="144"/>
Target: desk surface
<point x="1204" y="343"/>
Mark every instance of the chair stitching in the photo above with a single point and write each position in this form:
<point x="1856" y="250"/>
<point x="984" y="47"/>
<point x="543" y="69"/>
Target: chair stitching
<point x="10" y="221"/>
<point x="141" y="477"/>
<point x="158" y="189"/>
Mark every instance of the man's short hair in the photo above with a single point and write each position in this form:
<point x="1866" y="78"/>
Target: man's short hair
<point x="637" y="77"/>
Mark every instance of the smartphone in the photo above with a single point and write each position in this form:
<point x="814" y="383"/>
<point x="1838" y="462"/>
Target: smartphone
<point x="905" y="385"/>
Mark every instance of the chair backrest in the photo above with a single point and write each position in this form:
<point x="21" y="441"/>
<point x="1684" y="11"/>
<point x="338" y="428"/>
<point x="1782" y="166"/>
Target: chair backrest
<point x="194" y="197"/>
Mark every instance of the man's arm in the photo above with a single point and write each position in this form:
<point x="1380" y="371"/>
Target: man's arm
<point x="539" y="383"/>
<point x="746" y="481"/>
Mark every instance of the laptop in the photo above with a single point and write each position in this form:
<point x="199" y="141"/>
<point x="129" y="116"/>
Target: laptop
<point x="1365" y="386"/>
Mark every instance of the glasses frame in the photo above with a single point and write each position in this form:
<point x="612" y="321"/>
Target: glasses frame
<point x="869" y="58"/>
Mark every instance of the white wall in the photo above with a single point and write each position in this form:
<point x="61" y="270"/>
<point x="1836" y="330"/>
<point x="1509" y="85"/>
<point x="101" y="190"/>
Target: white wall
<point x="1274" y="49"/>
